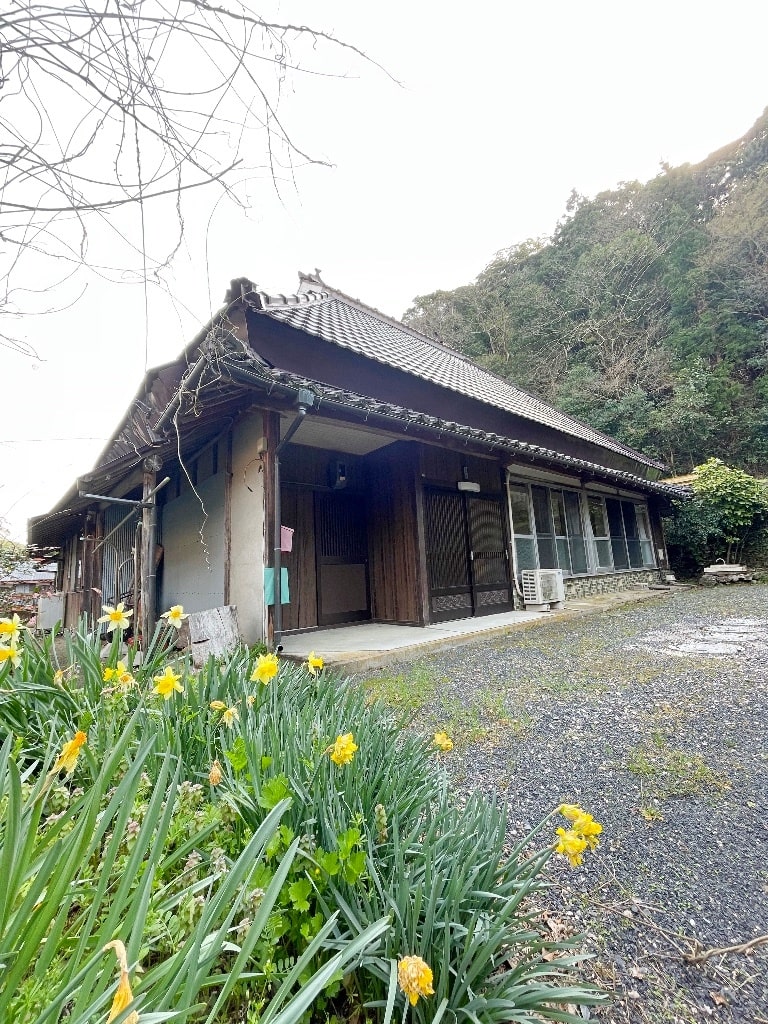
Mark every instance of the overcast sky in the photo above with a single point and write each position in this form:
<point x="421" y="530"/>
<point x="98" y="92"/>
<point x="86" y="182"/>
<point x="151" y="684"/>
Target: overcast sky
<point x="502" y="110"/>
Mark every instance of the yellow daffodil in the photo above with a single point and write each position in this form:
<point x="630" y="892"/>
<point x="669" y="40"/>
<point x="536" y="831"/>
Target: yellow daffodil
<point x="175" y="616"/>
<point x="123" y="996"/>
<point x="116" y="618"/>
<point x="58" y="676"/>
<point x="167" y="683"/>
<point x="119" y="674"/>
<point x="70" y="752"/>
<point x="571" y="845"/>
<point x="215" y="775"/>
<point x="582" y="824"/>
<point x="415" y="978"/>
<point x="343" y="750"/>
<point x="10" y="653"/>
<point x="314" y="663"/>
<point x="586" y="826"/>
<point x="124" y="677"/>
<point x="266" y="668"/>
<point x="443" y="742"/>
<point x="229" y="715"/>
<point x="10" y="630"/>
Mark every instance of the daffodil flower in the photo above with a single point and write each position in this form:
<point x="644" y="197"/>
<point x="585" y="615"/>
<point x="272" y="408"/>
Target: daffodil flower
<point x="229" y="715"/>
<point x="167" y="684"/>
<point x="343" y="750"/>
<point x="175" y="616"/>
<point x="314" y="663"/>
<point x="582" y="823"/>
<point x="266" y="668"/>
<point x="70" y="752"/>
<point x="415" y="978"/>
<point x="116" y="618"/>
<point x="11" y="629"/>
<point x="10" y="653"/>
<point x="571" y="845"/>
<point x="123" y="996"/>
<point x="443" y="742"/>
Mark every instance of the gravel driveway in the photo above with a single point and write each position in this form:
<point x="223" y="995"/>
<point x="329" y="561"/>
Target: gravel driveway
<point x="654" y="717"/>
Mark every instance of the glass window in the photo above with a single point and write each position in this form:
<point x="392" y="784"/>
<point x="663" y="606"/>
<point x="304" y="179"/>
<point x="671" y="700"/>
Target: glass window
<point x="558" y="513"/>
<point x="644" y="531"/>
<point x="633" y="538"/>
<point x="521" y="512"/>
<point x="542" y="518"/>
<point x="616" y="527"/>
<point x="522" y="527"/>
<point x="576" y="541"/>
<point x="555" y="537"/>
<point x="553" y="529"/>
<point x="599" y="523"/>
<point x="597" y="516"/>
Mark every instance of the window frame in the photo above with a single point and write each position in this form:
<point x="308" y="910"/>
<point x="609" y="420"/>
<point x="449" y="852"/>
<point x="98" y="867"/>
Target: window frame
<point x="596" y="546"/>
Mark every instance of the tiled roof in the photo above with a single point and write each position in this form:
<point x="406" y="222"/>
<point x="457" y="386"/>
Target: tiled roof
<point x="257" y="374"/>
<point x="342" y="321"/>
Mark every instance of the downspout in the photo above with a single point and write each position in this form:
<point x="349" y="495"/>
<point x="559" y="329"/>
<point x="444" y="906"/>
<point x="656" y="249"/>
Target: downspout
<point x="305" y="400"/>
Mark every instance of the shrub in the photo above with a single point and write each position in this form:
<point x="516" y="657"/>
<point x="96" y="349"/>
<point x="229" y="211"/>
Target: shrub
<point x="727" y="507"/>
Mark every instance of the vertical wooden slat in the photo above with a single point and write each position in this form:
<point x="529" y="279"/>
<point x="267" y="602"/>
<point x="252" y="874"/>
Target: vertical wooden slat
<point x="393" y="535"/>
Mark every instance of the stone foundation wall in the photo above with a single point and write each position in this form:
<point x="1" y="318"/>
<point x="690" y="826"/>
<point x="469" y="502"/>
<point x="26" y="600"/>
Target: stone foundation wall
<point x="609" y="583"/>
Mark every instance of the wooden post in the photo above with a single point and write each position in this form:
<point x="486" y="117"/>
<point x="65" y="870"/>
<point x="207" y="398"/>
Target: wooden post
<point x="88" y="577"/>
<point x="151" y="467"/>
<point x="422" y="574"/>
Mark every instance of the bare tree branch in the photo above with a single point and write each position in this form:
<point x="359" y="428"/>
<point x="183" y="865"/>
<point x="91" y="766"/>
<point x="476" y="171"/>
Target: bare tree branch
<point x="107" y="105"/>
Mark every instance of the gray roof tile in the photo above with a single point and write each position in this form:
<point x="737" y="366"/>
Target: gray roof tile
<point x="341" y="321"/>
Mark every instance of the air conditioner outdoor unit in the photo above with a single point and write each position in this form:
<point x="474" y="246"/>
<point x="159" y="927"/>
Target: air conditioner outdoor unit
<point x="543" y="587"/>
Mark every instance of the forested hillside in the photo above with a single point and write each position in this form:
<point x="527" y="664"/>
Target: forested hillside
<point x="645" y="314"/>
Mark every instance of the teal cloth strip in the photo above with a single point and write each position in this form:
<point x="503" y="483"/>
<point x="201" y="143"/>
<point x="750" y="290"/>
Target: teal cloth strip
<point x="269" y="586"/>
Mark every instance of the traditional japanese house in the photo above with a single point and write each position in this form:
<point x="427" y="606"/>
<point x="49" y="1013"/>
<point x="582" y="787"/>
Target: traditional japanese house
<point x="387" y="478"/>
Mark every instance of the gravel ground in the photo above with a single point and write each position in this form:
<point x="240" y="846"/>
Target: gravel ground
<point x="654" y="717"/>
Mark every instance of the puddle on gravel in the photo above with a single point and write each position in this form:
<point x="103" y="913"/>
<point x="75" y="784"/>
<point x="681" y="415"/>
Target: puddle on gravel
<point x="727" y="638"/>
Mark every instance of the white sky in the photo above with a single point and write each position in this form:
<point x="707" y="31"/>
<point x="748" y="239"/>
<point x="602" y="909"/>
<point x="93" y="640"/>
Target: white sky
<point x="504" y="108"/>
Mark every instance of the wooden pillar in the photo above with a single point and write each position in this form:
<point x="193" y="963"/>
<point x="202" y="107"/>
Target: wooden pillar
<point x="98" y="563"/>
<point x="422" y="576"/>
<point x="148" y="599"/>
<point x="88" y="571"/>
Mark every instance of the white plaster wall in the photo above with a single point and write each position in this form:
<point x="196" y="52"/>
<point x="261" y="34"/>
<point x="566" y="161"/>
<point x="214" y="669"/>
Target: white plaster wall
<point x="246" y="582"/>
<point x="193" y="568"/>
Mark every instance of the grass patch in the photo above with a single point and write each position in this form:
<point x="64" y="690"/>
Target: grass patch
<point x="487" y="722"/>
<point x="668" y="772"/>
<point x="409" y="692"/>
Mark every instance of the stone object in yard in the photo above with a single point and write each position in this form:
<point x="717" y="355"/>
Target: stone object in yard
<point x="214" y="631"/>
<point x="722" y="572"/>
